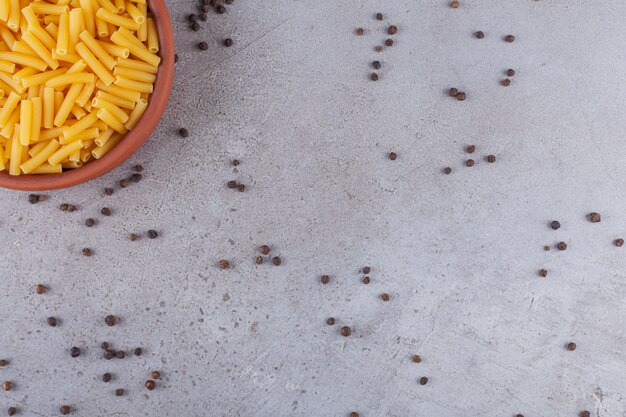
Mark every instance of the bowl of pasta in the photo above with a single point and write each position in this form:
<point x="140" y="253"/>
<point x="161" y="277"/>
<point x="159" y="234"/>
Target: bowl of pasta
<point x="83" y="84"/>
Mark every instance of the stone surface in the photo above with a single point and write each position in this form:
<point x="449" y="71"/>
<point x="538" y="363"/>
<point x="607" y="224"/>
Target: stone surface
<point x="459" y="253"/>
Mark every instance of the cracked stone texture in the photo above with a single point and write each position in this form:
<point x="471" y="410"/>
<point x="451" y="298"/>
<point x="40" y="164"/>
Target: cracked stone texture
<point x="458" y="254"/>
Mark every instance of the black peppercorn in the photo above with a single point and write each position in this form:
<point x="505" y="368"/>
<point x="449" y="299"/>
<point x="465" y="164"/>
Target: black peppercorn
<point x="52" y="321"/>
<point x="571" y="346"/>
<point x="366" y="269"/>
<point x="104" y="345"/>
<point x="220" y="9"/>
<point x="379" y="16"/>
<point x="176" y="58"/>
<point x="228" y="42"/>
<point x="241" y="188"/>
<point x="106" y="377"/>
<point x="491" y="159"/>
<point x="330" y="321"/>
<point x="224" y="264"/>
<point x="119" y="392"/>
<point x="469" y="163"/>
<point x="510" y="72"/>
<point x="138" y="351"/>
<point x="360" y="31"/>
<point x="345" y="331"/>
<point x="65" y="410"/>
<point x="506" y="82"/>
<point x="585" y="413"/>
<point x="470" y="148"/>
<point x="389" y="42"/>
<point x="138" y="168"/>
<point x="366" y="280"/>
<point x="374" y="76"/>
<point x="150" y="385"/>
<point x="7" y="385"/>
<point x="618" y="242"/>
<point x="108" y="191"/>
<point x="4" y="362"/>
<point x="479" y="35"/>
<point x="11" y="411"/>
<point x="203" y="46"/>
<point x="33" y="198"/>
<point x="393" y="156"/>
<point x="416" y="358"/>
<point x="40" y="289"/>
<point x="461" y="96"/>
<point x="595" y="217"/>
<point x="183" y="132"/>
<point x="264" y="249"/>
<point x="106" y="211"/>
<point x="133" y="237"/>
<point x="155" y="375"/>
<point x="87" y="252"/>
<point x="135" y="178"/>
<point x="74" y="352"/>
<point x="561" y="246"/>
<point x="110" y="320"/>
<point x="509" y="38"/>
<point x="120" y="354"/>
<point x="392" y="30"/>
<point x="195" y="26"/>
<point x="376" y="64"/>
<point x="276" y="261"/>
<point x="555" y="225"/>
<point x="453" y="92"/>
<point x="231" y="184"/>
<point x="192" y="18"/>
<point x="258" y="260"/>
<point x="384" y="296"/>
<point x="543" y="273"/>
<point x="90" y="222"/>
<point x="153" y="234"/>
<point x="108" y="354"/>
<point x="325" y="279"/>
<point x="423" y="380"/>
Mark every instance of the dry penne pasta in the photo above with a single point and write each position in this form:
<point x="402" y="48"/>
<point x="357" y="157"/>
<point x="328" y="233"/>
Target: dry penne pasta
<point x="75" y="77"/>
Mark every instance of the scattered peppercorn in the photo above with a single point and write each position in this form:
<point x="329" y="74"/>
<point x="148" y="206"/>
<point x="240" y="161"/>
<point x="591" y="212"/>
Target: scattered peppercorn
<point x="135" y="178"/>
<point x="543" y="273"/>
<point x="183" y="132"/>
<point x="585" y="413"/>
<point x="366" y="280"/>
<point x="204" y="16"/>
<point x="506" y="82"/>
<point x="33" y="198"/>
<point x="119" y="392"/>
<point x="461" y="96"/>
<point x="74" y="352"/>
<point x="203" y="46"/>
<point x="106" y="377"/>
<point x="264" y="249"/>
<point x="509" y="38"/>
<point x="389" y="42"/>
<point x="7" y="385"/>
<point x="366" y="269"/>
<point x="455" y="4"/>
<point x="155" y="375"/>
<point x="63" y="207"/>
<point x="11" y="411"/>
<point x="106" y="211"/>
<point x="619" y="242"/>
<point x="120" y="354"/>
<point x="379" y="16"/>
<point x="360" y="31"/>
<point x="224" y="264"/>
<point x="595" y="217"/>
<point x="4" y="362"/>
<point x="555" y="225"/>
<point x="374" y="76"/>
<point x="376" y="64"/>
<point x="384" y="296"/>
<point x="176" y="57"/>
<point x="108" y="191"/>
<point x="392" y="30"/>
<point x="108" y="354"/>
<point x="330" y="321"/>
<point x="153" y="234"/>
<point x="561" y="246"/>
<point x="138" y="168"/>
<point x="195" y="26"/>
<point x="393" y="156"/>
<point x="40" y="289"/>
<point x="229" y="1"/>
<point x="87" y="252"/>
<point x="469" y="163"/>
<point x="65" y="410"/>
<point x="228" y="42"/>
<point x="138" y="351"/>
<point x="345" y="331"/>
<point x="325" y="279"/>
<point x="124" y="183"/>
<point x="150" y="385"/>
<point x="479" y="34"/>
<point x="416" y="358"/>
<point x="104" y="345"/>
<point x="423" y="380"/>
<point x="231" y="184"/>
<point x="510" y="72"/>
<point x="241" y="188"/>
<point x="571" y="346"/>
<point x="276" y="260"/>
<point x="133" y="237"/>
<point x="519" y="415"/>
<point x="546" y="248"/>
<point x="491" y="159"/>
<point x="453" y="92"/>
<point x="354" y="414"/>
<point x="90" y="222"/>
<point x="110" y="320"/>
<point x="205" y="8"/>
<point x="258" y="260"/>
<point x="52" y="321"/>
<point x="220" y="9"/>
<point x="192" y="18"/>
<point x="470" y="148"/>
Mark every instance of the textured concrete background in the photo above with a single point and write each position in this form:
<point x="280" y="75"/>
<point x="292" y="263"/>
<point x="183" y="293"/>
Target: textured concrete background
<point x="459" y="254"/>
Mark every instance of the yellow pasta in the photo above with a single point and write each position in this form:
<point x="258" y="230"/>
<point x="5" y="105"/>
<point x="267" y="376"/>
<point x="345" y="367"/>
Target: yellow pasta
<point x="75" y="77"/>
<point x="97" y="50"/>
<point x="64" y="34"/>
<point x="95" y="65"/>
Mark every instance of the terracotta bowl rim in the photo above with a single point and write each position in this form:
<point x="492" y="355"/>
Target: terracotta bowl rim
<point x="133" y="139"/>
